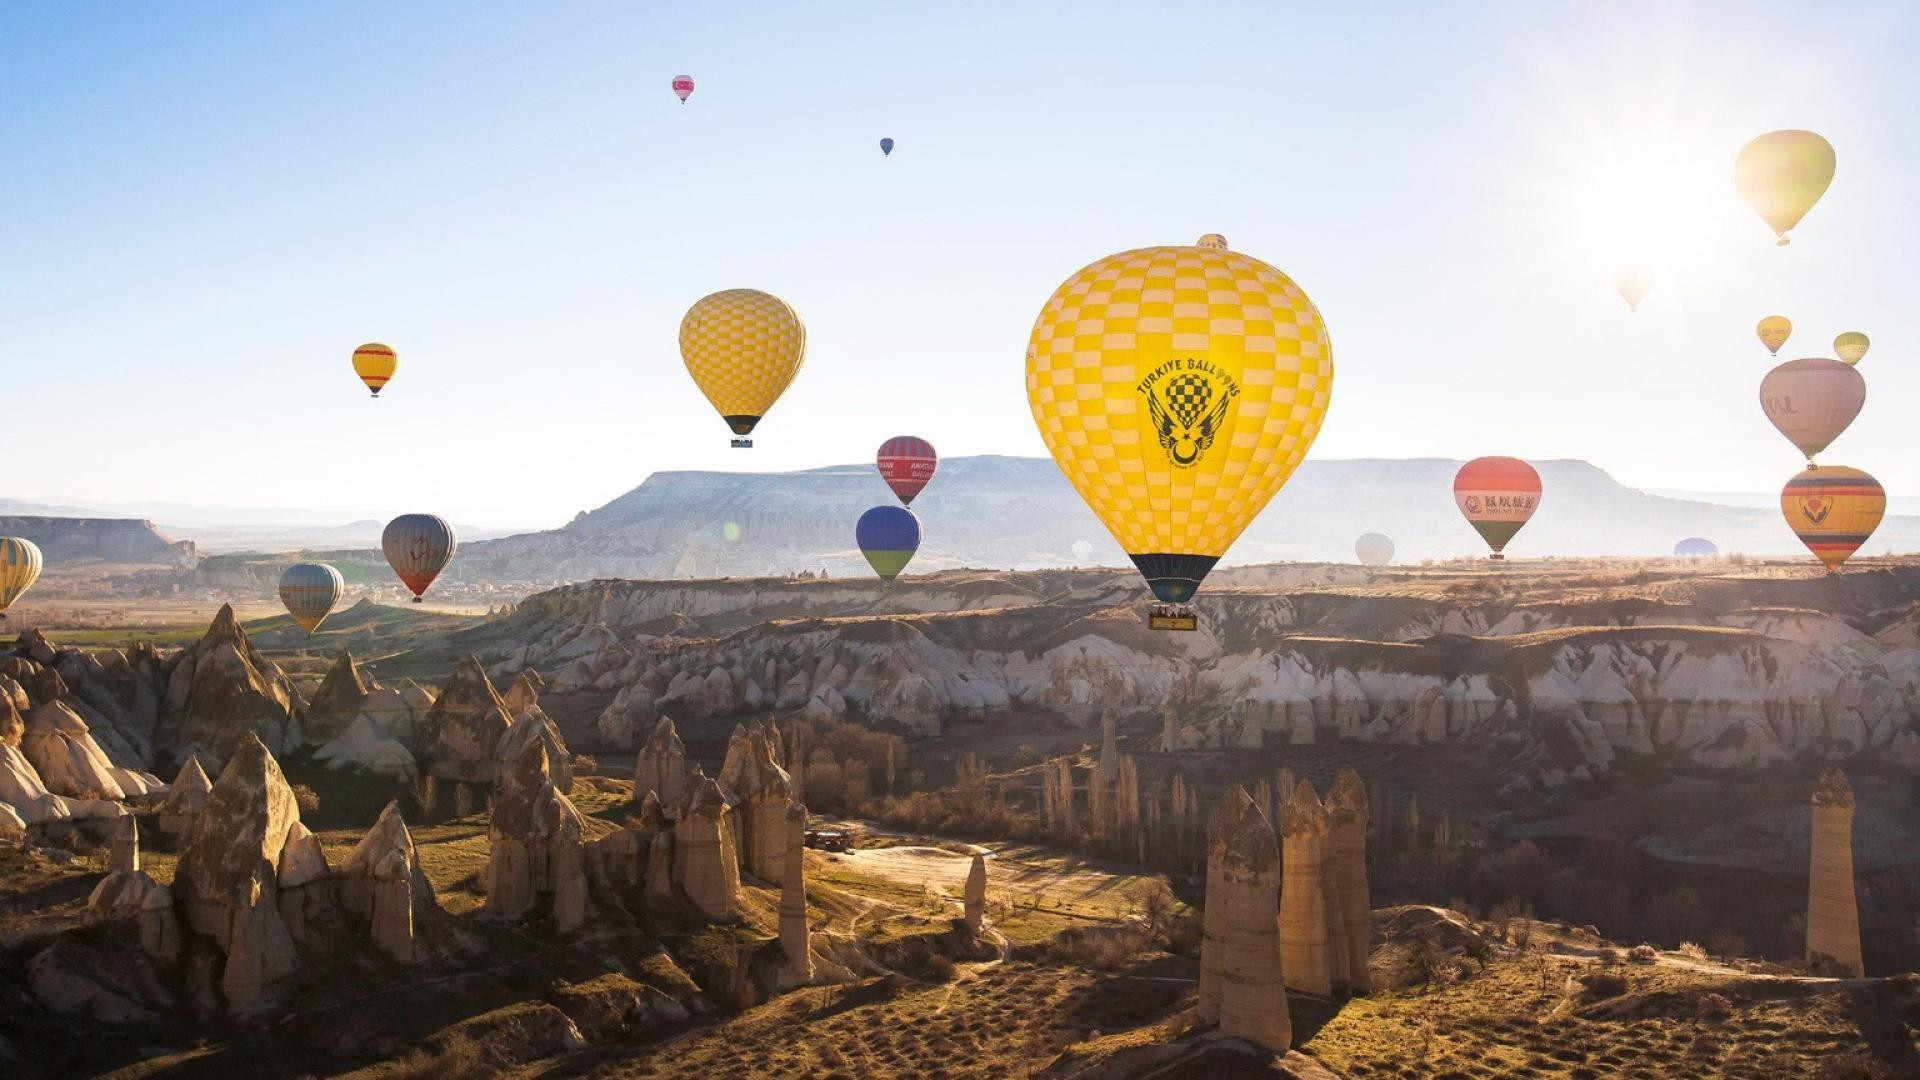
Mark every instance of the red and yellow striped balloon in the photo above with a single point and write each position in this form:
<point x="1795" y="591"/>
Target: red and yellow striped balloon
<point x="418" y="547"/>
<point x="1833" y="510"/>
<point x="375" y="364"/>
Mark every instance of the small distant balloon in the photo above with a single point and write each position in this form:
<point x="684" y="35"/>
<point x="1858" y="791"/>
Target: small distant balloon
<point x="1833" y="510"/>
<point x="310" y="590"/>
<point x="1812" y="400"/>
<point x="375" y="364"/>
<point x="1774" y="331"/>
<point x="19" y="569"/>
<point x="1082" y="551"/>
<point x="1695" y="547"/>
<point x="1851" y="346"/>
<point x="888" y="536"/>
<point x="906" y="463"/>
<point x="1782" y="174"/>
<point x="683" y="87"/>
<point x="1373" y="549"/>
<point x="1213" y="241"/>
<point x="1632" y="285"/>
<point x="418" y="547"/>
<point x="886" y="147"/>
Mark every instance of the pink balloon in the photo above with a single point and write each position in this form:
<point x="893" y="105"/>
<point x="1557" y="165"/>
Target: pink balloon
<point x="683" y="86"/>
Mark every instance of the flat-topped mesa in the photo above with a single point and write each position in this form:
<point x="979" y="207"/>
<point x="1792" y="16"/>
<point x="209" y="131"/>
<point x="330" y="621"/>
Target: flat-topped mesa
<point x="1833" y="912"/>
<point x="222" y="688"/>
<point x="1305" y="954"/>
<point x="974" y="900"/>
<point x="706" y="868"/>
<point x="762" y="792"/>
<point x="1347" y="810"/>
<point x="252" y="878"/>
<point x="384" y="887"/>
<point x="662" y="767"/>
<point x="1235" y="805"/>
<point x="459" y="738"/>
<point x="795" y="942"/>
<point x="185" y="799"/>
<point x="1252" y="991"/>
<point x="338" y="699"/>
<point x="127" y="891"/>
<point x="535" y="845"/>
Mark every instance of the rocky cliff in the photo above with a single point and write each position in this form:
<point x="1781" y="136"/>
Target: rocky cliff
<point x="114" y="540"/>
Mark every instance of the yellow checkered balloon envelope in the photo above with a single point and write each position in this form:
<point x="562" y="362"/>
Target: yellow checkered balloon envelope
<point x="742" y="347"/>
<point x="1178" y="388"/>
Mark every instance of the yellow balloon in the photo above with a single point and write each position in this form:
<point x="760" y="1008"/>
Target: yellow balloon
<point x="1782" y="174"/>
<point x="1774" y="331"/>
<point x="19" y="568"/>
<point x="1632" y="285"/>
<point x="1178" y="388"/>
<point x="375" y="364"/>
<point x="1851" y="346"/>
<point x="743" y="347"/>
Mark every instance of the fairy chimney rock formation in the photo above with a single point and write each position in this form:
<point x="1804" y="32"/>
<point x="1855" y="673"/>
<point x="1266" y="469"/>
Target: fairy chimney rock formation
<point x="975" y="899"/>
<point x="1235" y="805"/>
<point x="337" y="701"/>
<point x="1169" y="727"/>
<point x="705" y="865"/>
<point x="662" y="767"/>
<point x="794" y="941"/>
<point x="1252" y="992"/>
<point x="250" y="876"/>
<point x="128" y="891"/>
<point x="459" y="737"/>
<point x="1347" y="844"/>
<point x="1833" y="915"/>
<point x="1126" y="809"/>
<point x="185" y="799"/>
<point x="383" y="885"/>
<point x="763" y="793"/>
<point x="1304" y="944"/>
<point x="535" y="848"/>
<point x="529" y="722"/>
<point x="222" y="689"/>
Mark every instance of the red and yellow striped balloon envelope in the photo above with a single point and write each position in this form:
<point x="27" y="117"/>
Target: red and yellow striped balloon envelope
<point x="1833" y="510"/>
<point x="418" y="547"/>
<point x="1496" y="495"/>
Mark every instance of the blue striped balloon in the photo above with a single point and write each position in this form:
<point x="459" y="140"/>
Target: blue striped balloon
<point x="310" y="590"/>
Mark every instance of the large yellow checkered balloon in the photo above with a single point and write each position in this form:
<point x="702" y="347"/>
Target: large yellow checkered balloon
<point x="1178" y="388"/>
<point x="742" y="347"/>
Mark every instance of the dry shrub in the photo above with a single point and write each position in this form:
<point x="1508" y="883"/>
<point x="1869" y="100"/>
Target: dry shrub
<point x="1607" y="957"/>
<point x="1641" y="954"/>
<point x="1602" y="984"/>
<point x="938" y="969"/>
<point x="585" y="765"/>
<point x="1692" y="951"/>
<point x="1107" y="949"/>
<point x="1857" y="1065"/>
<point x="1713" y="1008"/>
<point x="475" y="883"/>
<point x="1728" y="943"/>
<point x="307" y="799"/>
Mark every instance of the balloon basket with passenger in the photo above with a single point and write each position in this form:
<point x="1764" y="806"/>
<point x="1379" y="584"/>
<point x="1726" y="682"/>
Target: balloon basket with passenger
<point x="1172" y="617"/>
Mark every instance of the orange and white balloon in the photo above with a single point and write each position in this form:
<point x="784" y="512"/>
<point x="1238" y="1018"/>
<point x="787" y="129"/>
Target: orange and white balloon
<point x="1833" y="510"/>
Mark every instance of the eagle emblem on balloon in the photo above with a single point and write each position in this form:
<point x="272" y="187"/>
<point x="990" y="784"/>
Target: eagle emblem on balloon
<point x="1186" y="417"/>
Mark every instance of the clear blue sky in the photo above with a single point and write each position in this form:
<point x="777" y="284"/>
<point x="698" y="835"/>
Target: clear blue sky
<point x="207" y="206"/>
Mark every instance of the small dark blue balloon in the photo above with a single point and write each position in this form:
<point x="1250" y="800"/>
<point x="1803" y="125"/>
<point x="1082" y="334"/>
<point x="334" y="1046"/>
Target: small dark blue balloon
<point x="886" y="146"/>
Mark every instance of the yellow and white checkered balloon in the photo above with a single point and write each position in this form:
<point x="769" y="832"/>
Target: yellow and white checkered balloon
<point x="1178" y="388"/>
<point x="742" y="347"/>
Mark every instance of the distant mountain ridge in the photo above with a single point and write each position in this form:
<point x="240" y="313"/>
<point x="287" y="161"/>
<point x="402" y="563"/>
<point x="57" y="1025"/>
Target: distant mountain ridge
<point x="1020" y="513"/>
<point x="113" y="540"/>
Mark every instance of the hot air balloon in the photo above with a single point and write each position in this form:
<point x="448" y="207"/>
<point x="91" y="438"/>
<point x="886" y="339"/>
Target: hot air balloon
<point x="1782" y="174"/>
<point x="418" y="547"/>
<point x="1212" y="241"/>
<point x="310" y="590"/>
<point x="375" y="364"/>
<point x="1082" y="551"/>
<point x="1812" y="401"/>
<point x="1373" y="549"/>
<point x="1178" y="388"/>
<point x="19" y="569"/>
<point x="886" y="147"/>
<point x="1774" y="331"/>
<point x="906" y="464"/>
<point x="1694" y="547"/>
<point x="743" y="347"/>
<point x="1851" y="346"/>
<point x="1632" y="285"/>
<point x="1497" y="495"/>
<point x="683" y="87"/>
<point x="1833" y="509"/>
<point x="888" y="536"/>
